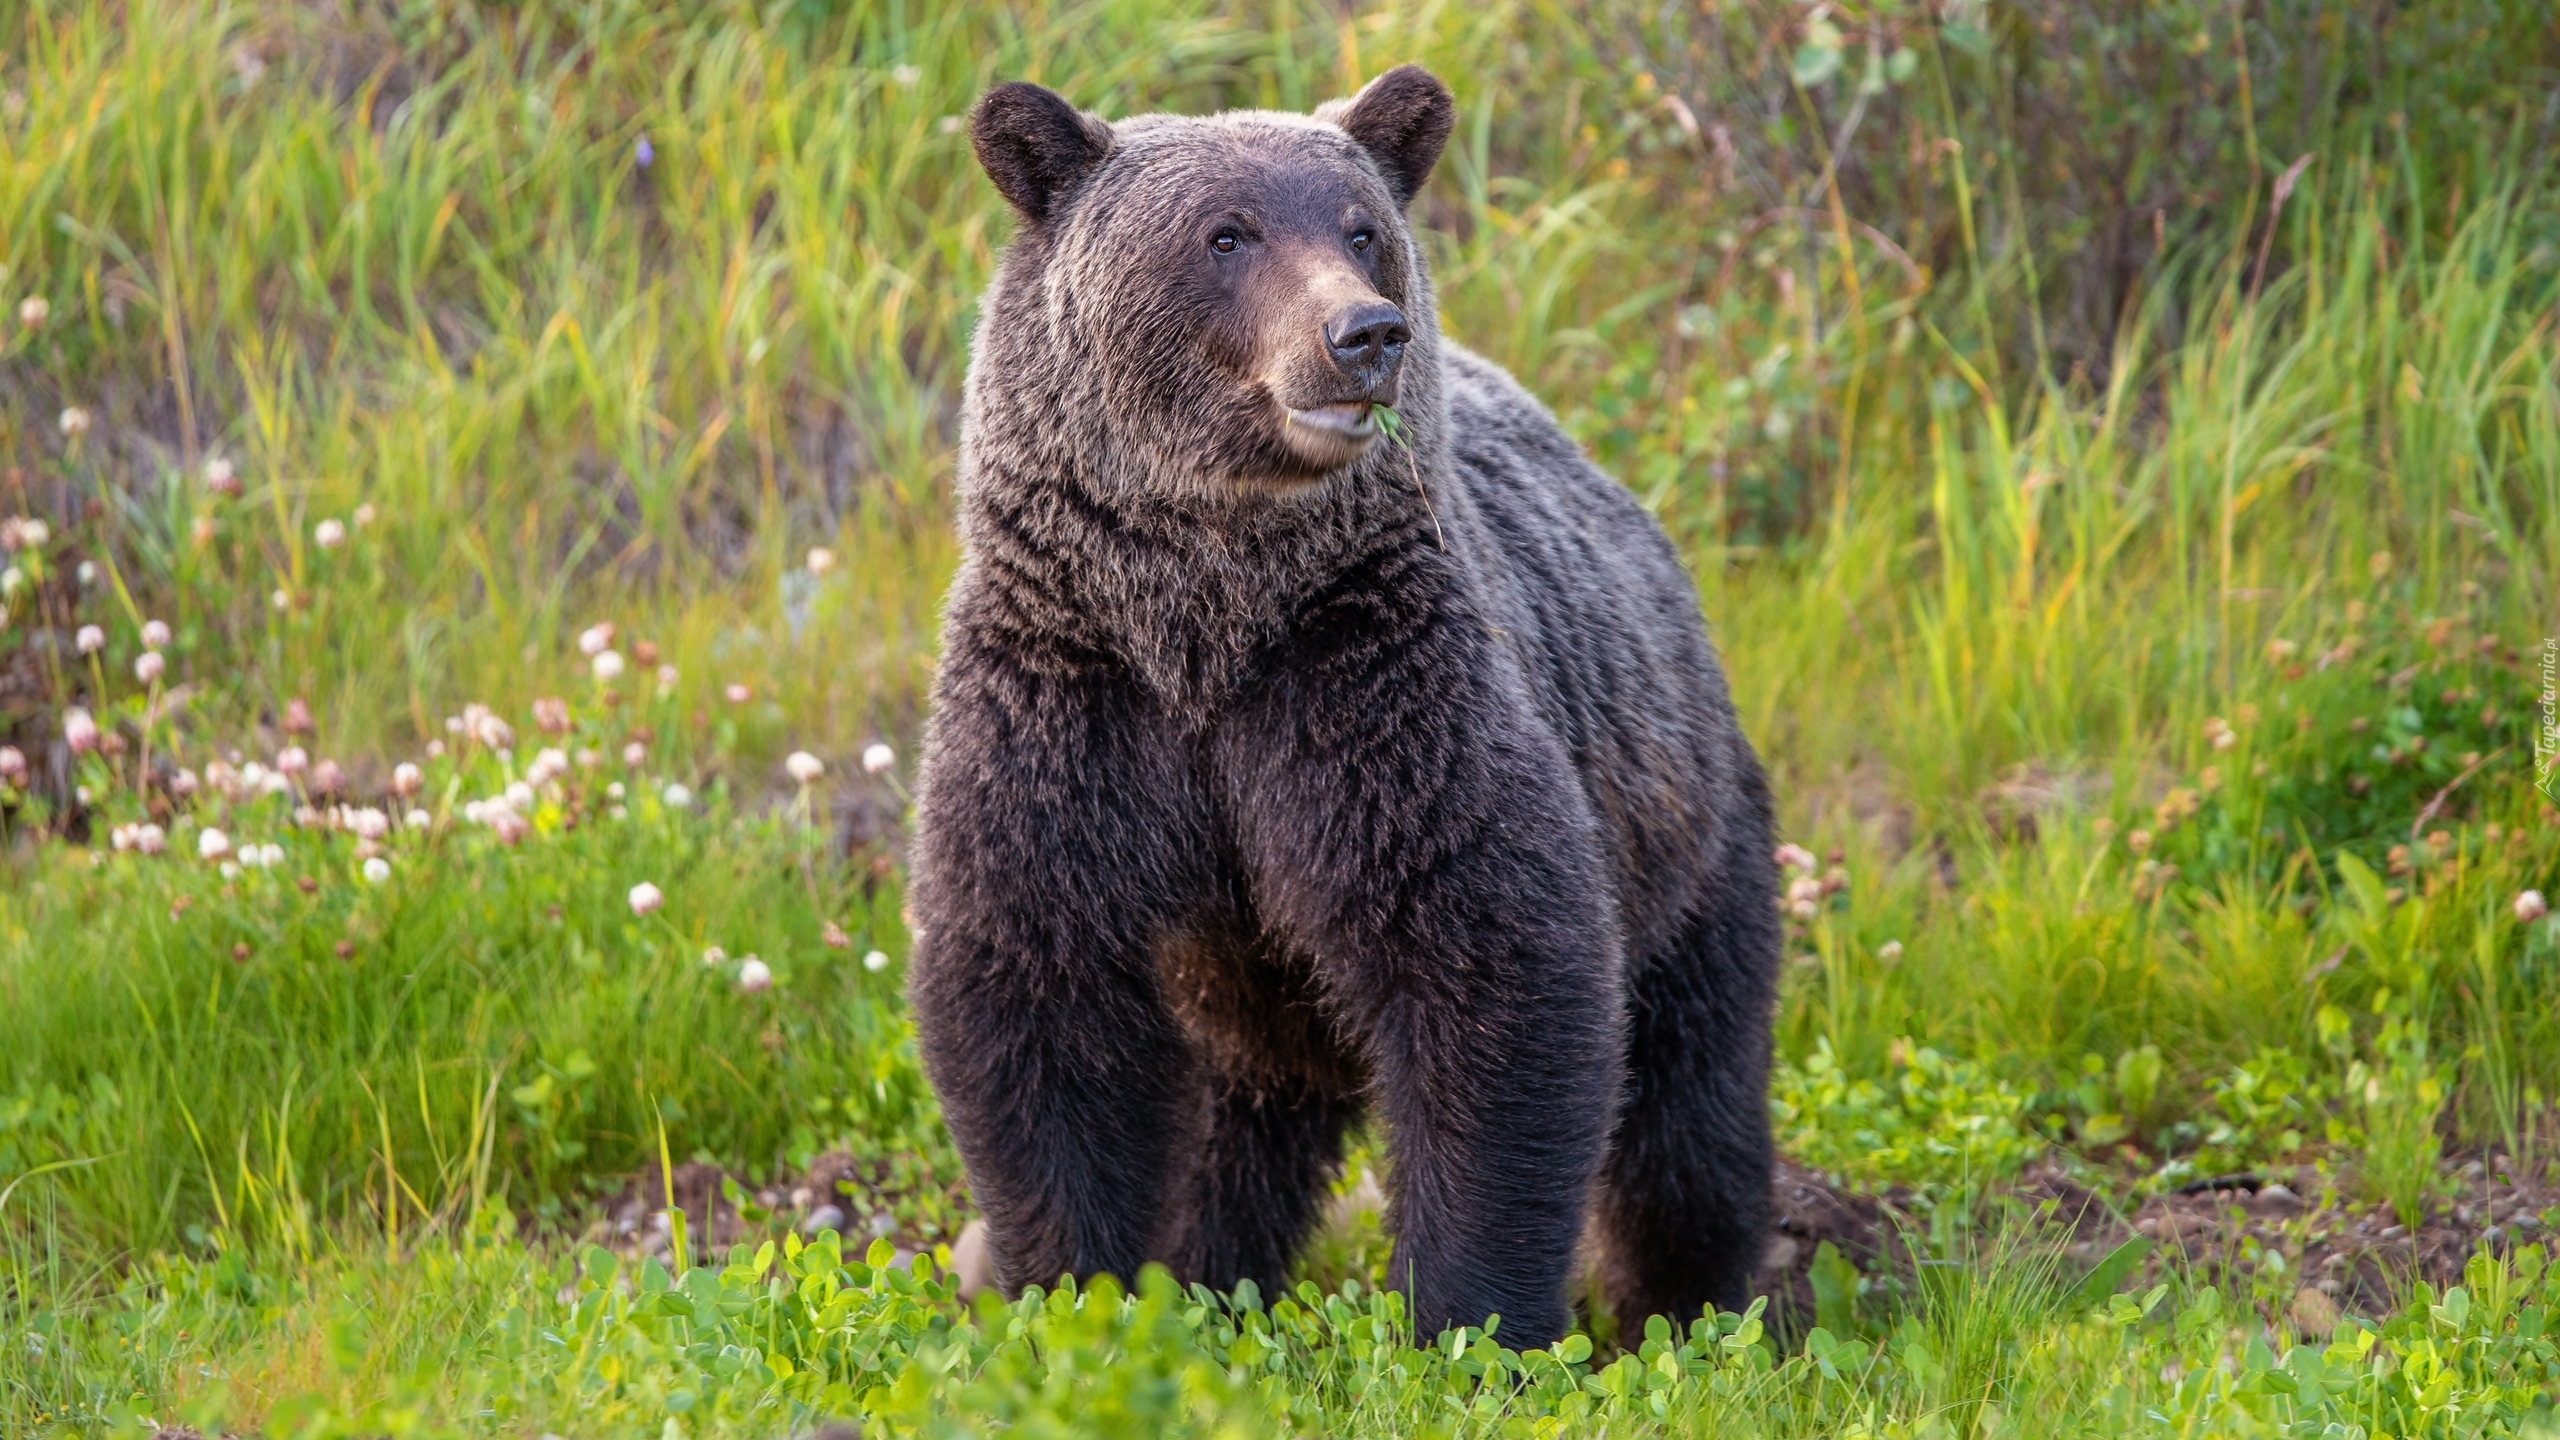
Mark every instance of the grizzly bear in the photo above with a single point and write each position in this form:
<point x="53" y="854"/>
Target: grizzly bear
<point x="1320" y="734"/>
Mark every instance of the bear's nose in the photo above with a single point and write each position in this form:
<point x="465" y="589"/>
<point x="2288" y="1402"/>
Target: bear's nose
<point x="1368" y="340"/>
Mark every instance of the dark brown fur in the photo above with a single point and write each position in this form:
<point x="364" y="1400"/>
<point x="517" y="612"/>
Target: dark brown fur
<point x="1279" y="775"/>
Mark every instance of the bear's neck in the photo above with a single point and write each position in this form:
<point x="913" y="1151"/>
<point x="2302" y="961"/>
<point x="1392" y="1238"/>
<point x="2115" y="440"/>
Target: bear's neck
<point x="1186" y="592"/>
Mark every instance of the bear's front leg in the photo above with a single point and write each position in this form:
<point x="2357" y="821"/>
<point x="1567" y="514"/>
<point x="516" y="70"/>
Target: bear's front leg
<point x="1406" y="818"/>
<point x="1057" y="834"/>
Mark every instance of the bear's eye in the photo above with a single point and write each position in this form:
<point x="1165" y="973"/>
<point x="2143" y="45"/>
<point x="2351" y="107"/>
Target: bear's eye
<point x="1360" y="239"/>
<point x="1225" y="242"/>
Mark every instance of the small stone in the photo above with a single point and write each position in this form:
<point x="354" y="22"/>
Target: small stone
<point x="972" y="1268"/>
<point x="823" y="1219"/>
<point x="2279" y="1197"/>
<point x="2314" y="1312"/>
<point x="1780" y="1253"/>
<point x="883" y="1225"/>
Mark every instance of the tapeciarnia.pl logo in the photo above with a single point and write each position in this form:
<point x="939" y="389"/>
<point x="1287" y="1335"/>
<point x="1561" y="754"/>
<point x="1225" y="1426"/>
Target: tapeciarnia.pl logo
<point x="2546" y="740"/>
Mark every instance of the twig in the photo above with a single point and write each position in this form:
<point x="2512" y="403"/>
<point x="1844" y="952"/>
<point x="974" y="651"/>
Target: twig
<point x="1393" y="424"/>
<point x="2438" y="803"/>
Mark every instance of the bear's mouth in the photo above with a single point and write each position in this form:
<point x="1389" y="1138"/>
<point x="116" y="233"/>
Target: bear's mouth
<point x="1348" y="420"/>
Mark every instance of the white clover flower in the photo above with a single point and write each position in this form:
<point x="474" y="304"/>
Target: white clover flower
<point x="150" y="839"/>
<point x="2530" y="906"/>
<point x="754" y="975"/>
<point x="377" y="870"/>
<point x="906" y="76"/>
<point x="88" y="573"/>
<point x="407" y="779"/>
<point x="804" y="767"/>
<point x="676" y="796"/>
<point x="634" y="753"/>
<point x="75" y="421"/>
<point x="148" y="666"/>
<point x="329" y="534"/>
<point x="120" y="838"/>
<point x="821" y="560"/>
<point x="876" y="961"/>
<point x="275" y="782"/>
<point x="271" y="854"/>
<point x="1796" y="857"/>
<point x="368" y="823"/>
<point x="218" y="476"/>
<point x="1889" y="951"/>
<point x="12" y="580"/>
<point x="646" y="898"/>
<point x="90" y="639"/>
<point x="34" y="533"/>
<point x="667" y="679"/>
<point x="483" y="725"/>
<point x="613" y="791"/>
<point x="280" y="600"/>
<point x="737" y="694"/>
<point x="509" y="827"/>
<point x="292" y="760"/>
<point x="79" y="731"/>
<point x="714" y="955"/>
<point x="548" y="765"/>
<point x="155" y="635"/>
<point x="519" y="796"/>
<point x="877" y="757"/>
<point x="34" y="311"/>
<point x="212" y="844"/>
<point x="13" y="764"/>
<point x="253" y="778"/>
<point x="364" y="515"/>
<point x="417" y="819"/>
<point x="596" y="639"/>
<point x="183" y="781"/>
<point x="608" y="665"/>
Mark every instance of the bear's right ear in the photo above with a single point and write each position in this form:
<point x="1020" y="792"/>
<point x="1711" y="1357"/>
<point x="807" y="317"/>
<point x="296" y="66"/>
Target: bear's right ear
<point x="1035" y="146"/>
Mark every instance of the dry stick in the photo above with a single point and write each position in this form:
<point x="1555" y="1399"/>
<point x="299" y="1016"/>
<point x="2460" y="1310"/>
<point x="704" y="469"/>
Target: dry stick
<point x="2442" y="795"/>
<point x="1393" y="424"/>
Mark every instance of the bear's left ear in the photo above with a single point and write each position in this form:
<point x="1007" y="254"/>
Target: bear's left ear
<point x="1035" y="146"/>
<point x="1402" y="118"/>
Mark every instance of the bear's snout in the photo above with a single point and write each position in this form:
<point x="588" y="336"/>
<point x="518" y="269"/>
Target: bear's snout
<point x="1367" y="339"/>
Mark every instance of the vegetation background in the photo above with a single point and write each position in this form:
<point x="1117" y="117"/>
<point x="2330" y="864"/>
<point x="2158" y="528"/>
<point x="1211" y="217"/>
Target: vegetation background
<point x="2118" y="445"/>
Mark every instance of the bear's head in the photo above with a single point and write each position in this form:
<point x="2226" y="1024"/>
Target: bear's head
<point x="1218" y="304"/>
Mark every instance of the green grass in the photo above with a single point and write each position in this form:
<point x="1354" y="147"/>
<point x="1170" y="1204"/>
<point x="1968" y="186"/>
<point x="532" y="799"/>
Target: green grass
<point x="2169" y="704"/>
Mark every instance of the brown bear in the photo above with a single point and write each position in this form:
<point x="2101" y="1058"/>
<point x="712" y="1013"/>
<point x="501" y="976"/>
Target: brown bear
<point x="1319" y="733"/>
